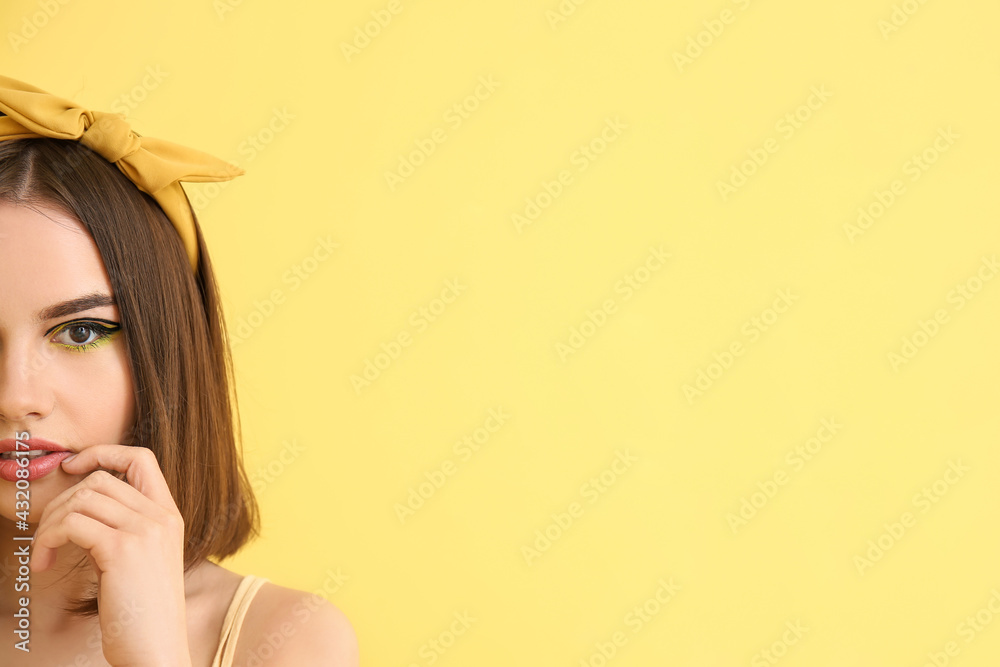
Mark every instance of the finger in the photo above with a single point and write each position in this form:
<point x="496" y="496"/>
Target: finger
<point x="139" y="464"/>
<point x="105" y="483"/>
<point x="96" y="505"/>
<point x="79" y="529"/>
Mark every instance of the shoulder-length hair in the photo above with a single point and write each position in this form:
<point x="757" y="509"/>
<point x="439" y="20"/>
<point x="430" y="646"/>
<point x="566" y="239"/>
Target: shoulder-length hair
<point x="174" y="331"/>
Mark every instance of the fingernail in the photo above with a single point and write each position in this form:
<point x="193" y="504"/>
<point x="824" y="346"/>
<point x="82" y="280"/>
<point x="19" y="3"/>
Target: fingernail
<point x="69" y="458"/>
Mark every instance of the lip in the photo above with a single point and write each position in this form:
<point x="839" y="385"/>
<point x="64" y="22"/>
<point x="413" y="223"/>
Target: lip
<point x="10" y="445"/>
<point x="37" y="467"/>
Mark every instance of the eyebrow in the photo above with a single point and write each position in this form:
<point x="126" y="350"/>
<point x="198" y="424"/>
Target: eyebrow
<point x="79" y="304"/>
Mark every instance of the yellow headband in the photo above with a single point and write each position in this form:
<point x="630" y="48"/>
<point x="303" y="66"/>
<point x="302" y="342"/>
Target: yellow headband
<point x="155" y="166"/>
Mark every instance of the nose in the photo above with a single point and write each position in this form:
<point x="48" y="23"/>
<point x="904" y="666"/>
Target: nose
<point x="25" y="394"/>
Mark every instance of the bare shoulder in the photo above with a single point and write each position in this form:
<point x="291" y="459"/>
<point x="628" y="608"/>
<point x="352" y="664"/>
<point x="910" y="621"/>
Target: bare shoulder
<point x="284" y="626"/>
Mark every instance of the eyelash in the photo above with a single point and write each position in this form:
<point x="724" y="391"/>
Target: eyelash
<point x="104" y="334"/>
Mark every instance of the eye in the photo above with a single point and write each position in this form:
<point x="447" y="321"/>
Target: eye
<point x="84" y="335"/>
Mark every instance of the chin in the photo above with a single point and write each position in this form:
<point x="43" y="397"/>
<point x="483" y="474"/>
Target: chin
<point x="41" y="492"/>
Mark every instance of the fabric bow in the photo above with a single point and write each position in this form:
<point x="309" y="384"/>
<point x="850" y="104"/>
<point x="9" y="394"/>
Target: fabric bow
<point x="155" y="166"/>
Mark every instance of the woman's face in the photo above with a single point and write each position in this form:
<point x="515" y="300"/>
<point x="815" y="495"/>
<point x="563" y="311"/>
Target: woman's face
<point x="62" y="377"/>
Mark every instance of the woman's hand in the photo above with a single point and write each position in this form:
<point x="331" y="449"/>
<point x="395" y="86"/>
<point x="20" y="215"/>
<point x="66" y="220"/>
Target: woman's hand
<point x="134" y="536"/>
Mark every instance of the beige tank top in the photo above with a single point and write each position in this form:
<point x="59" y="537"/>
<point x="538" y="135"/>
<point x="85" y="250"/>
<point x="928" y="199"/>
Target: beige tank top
<point x="234" y="619"/>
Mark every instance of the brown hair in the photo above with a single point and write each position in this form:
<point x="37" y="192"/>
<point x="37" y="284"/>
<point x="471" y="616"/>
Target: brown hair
<point x="173" y="327"/>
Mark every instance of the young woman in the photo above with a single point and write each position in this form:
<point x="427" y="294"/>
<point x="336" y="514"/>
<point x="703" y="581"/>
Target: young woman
<point x="119" y="463"/>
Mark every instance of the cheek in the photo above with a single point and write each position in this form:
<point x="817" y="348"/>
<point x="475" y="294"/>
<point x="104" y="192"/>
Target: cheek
<point x="98" y="396"/>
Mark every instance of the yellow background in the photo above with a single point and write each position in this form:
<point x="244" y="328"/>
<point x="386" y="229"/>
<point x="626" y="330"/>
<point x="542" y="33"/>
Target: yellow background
<point x="333" y="459"/>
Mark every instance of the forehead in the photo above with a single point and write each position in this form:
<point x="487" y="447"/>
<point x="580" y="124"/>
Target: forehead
<point x="46" y="256"/>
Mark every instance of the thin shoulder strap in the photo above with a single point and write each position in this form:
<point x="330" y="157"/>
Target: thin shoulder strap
<point x="237" y="611"/>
